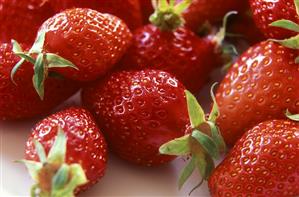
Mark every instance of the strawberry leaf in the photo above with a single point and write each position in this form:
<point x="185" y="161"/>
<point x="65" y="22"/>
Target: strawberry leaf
<point x="217" y="137"/>
<point x="297" y="6"/>
<point x="291" y="116"/>
<point x="40" y="151"/>
<point x="33" y="168"/>
<point x="61" y="177"/>
<point x="55" y="61"/>
<point x="286" y="24"/>
<point x="58" y="150"/>
<point x="215" y="110"/>
<point x="196" y="113"/>
<point x="179" y="146"/>
<point x="182" y="6"/>
<point x="292" y="43"/>
<point x="38" y="43"/>
<point x="207" y="143"/>
<point x="187" y="172"/>
<point x="39" y="76"/>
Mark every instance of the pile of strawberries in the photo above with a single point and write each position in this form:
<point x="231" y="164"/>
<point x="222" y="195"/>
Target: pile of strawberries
<point x="137" y="64"/>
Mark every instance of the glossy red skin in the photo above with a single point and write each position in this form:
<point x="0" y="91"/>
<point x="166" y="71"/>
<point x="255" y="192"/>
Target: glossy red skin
<point x="260" y="86"/>
<point x="21" y="101"/>
<point x="267" y="11"/>
<point x="146" y="9"/>
<point x="21" y="19"/>
<point x="264" y="162"/>
<point x="182" y="53"/>
<point x="138" y="112"/>
<point x="212" y="11"/>
<point x="85" y="142"/>
<point x="128" y="10"/>
<point x="94" y="44"/>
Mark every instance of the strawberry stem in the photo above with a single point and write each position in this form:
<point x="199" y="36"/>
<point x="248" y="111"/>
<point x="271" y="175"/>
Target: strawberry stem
<point x="168" y="16"/>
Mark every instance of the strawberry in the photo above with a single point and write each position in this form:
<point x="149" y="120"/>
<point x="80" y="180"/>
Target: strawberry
<point x="141" y="110"/>
<point x="146" y="9"/>
<point x="128" y="10"/>
<point x="21" y="19"/>
<point x="84" y="39"/>
<point x="19" y="100"/>
<point x="213" y="11"/>
<point x="64" y="151"/>
<point x="267" y="12"/>
<point x="264" y="162"/>
<point x="260" y="86"/>
<point x="166" y="45"/>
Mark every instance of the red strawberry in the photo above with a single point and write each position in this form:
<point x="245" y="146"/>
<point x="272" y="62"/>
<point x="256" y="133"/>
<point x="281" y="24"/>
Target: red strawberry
<point x="260" y="86"/>
<point x="212" y="11"/>
<point x="128" y="10"/>
<point x="138" y="112"/>
<point x="174" y="49"/>
<point x="264" y="162"/>
<point x="146" y="9"/>
<point x="266" y="12"/>
<point x="19" y="101"/>
<point x="78" y="154"/>
<point x="21" y="19"/>
<point x="92" y="41"/>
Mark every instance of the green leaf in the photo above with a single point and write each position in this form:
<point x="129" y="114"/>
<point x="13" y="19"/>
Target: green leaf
<point x="207" y="143"/>
<point x="292" y="42"/>
<point x="38" y="43"/>
<point x="40" y="151"/>
<point x="15" y="69"/>
<point x="286" y="24"/>
<point x="33" y="168"/>
<point x="16" y="47"/>
<point x="178" y="147"/>
<point x="55" y="61"/>
<point x="39" y="76"/>
<point x="200" y="162"/>
<point x="220" y="36"/>
<point x="78" y="178"/>
<point x="58" y="150"/>
<point x="182" y="6"/>
<point x="291" y="116"/>
<point x="196" y="113"/>
<point x="217" y="137"/>
<point x="215" y="110"/>
<point x="187" y="172"/>
<point x="61" y="177"/>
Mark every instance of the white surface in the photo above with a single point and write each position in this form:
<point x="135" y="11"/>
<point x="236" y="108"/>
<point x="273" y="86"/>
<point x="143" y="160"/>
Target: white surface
<point x="121" y="179"/>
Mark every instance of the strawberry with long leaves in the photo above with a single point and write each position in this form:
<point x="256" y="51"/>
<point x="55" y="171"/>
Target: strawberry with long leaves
<point x="80" y="44"/>
<point x="203" y="141"/>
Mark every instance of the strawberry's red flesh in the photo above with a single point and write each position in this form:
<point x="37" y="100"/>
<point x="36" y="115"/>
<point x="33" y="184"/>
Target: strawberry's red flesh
<point x="212" y="11"/>
<point x="181" y="52"/>
<point x="260" y="86"/>
<point x="21" y="19"/>
<point x="264" y="162"/>
<point x="93" y="41"/>
<point x="138" y="112"/>
<point x="85" y="143"/>
<point x="128" y="10"/>
<point x="21" y="101"/>
<point x="265" y="12"/>
<point x="146" y="9"/>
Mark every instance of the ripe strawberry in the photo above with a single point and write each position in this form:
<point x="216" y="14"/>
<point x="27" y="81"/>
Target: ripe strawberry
<point x="266" y="12"/>
<point x="77" y="156"/>
<point x="164" y="45"/>
<point x="212" y="11"/>
<point x="138" y="112"/>
<point x="19" y="101"/>
<point x="146" y="9"/>
<point x="21" y="19"/>
<point x="260" y="86"/>
<point x="92" y="41"/>
<point x="128" y="10"/>
<point x="264" y="162"/>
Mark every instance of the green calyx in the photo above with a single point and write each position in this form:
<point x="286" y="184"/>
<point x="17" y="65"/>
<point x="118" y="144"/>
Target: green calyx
<point x="42" y="62"/>
<point x="292" y="42"/>
<point x="294" y="117"/>
<point x="203" y="144"/>
<point x="53" y="177"/>
<point x="168" y="15"/>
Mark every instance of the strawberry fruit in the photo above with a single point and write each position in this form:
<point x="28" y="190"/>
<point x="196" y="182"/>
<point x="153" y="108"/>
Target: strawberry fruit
<point x="260" y="86"/>
<point x="264" y="162"/>
<point x="65" y="150"/>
